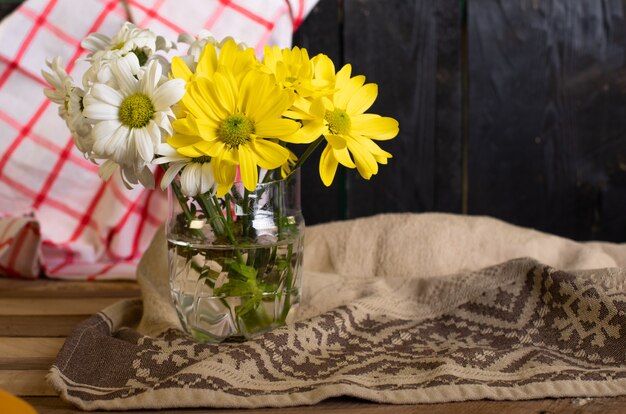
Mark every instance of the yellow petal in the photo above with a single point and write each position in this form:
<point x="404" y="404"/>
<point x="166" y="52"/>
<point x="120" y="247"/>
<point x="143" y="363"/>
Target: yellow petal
<point x="207" y="63"/>
<point x="189" y="151"/>
<point x="180" y="140"/>
<point x="363" y="98"/>
<point x="206" y="90"/>
<point x="253" y="93"/>
<point x="201" y="103"/>
<point x="343" y="156"/>
<point x="309" y="132"/>
<point x="207" y="129"/>
<point x="369" y="145"/>
<point x="274" y="104"/>
<point x="274" y="128"/>
<point x="349" y="88"/>
<point x="324" y="67"/>
<point x="224" y="173"/>
<point x="248" y="167"/>
<point x="224" y="92"/>
<point x="180" y="69"/>
<point x="318" y="107"/>
<point x="336" y="141"/>
<point x="365" y="162"/>
<point x="185" y="126"/>
<point x="380" y="128"/>
<point x="343" y="76"/>
<point x="328" y="166"/>
<point x="208" y="148"/>
<point x="270" y="155"/>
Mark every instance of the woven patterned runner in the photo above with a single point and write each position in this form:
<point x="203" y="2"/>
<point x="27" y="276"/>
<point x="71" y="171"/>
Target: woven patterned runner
<point x="516" y="330"/>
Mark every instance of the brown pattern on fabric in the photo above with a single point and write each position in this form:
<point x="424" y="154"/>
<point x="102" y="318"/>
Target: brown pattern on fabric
<point x="532" y="325"/>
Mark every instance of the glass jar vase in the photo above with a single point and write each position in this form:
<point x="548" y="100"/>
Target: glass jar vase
<point x="235" y="262"/>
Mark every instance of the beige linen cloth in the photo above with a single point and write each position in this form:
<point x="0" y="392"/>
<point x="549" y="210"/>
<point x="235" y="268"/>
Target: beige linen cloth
<point x="401" y="308"/>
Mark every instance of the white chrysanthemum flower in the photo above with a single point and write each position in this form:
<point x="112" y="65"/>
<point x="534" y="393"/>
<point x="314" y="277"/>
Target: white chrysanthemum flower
<point x="141" y="42"/>
<point x="196" y="174"/>
<point x="61" y="83"/>
<point x="129" y="121"/>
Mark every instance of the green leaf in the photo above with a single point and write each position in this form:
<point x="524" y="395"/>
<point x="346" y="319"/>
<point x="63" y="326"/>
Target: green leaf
<point x="236" y="288"/>
<point x="241" y="270"/>
<point x="251" y="304"/>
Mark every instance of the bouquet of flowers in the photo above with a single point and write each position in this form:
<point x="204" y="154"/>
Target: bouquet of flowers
<point x="222" y="124"/>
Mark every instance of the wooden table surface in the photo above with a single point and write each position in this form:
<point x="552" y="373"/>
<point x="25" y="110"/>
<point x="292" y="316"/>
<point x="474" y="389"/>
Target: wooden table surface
<point x="36" y="316"/>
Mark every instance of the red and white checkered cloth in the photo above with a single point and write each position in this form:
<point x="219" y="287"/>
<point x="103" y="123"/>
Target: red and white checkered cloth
<point x="56" y="215"/>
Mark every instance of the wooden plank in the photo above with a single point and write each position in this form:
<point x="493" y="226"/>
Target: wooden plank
<point x="47" y="288"/>
<point x="320" y="33"/>
<point x="411" y="49"/>
<point x="87" y="306"/>
<point x="29" y="353"/>
<point x="547" y="106"/>
<point x="25" y="383"/>
<point x="42" y="326"/>
<point x="46" y="405"/>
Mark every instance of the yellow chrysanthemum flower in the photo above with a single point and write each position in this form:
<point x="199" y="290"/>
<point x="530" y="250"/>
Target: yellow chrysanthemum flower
<point x="341" y="119"/>
<point x="293" y="70"/>
<point x="234" y="121"/>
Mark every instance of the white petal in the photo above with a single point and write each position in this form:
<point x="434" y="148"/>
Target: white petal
<point x="171" y="173"/>
<point x="154" y="132"/>
<point x="143" y="141"/>
<point x="127" y="152"/>
<point x="146" y="178"/>
<point x="99" y="111"/>
<point x="188" y="180"/>
<point x="163" y="121"/>
<point x="129" y="176"/>
<point x="106" y="94"/>
<point x="102" y="131"/>
<point x="95" y="41"/>
<point x="106" y="170"/>
<point x="55" y="96"/>
<point x="168" y="94"/>
<point x="51" y="79"/>
<point x="113" y="146"/>
<point x="167" y="151"/>
<point x="123" y="74"/>
<point x="151" y="78"/>
<point x="207" y="177"/>
<point x="186" y="38"/>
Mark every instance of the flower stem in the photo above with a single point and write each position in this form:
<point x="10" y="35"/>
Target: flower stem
<point x="181" y="200"/>
<point x="307" y="153"/>
<point x="212" y="214"/>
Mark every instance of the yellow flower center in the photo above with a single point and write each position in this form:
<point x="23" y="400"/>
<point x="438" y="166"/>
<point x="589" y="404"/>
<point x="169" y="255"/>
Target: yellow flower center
<point x="118" y="46"/>
<point x="235" y="130"/>
<point x="338" y="121"/>
<point x="136" y="110"/>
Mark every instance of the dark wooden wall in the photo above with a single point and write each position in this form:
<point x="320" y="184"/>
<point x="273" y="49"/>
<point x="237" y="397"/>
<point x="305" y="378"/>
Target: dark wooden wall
<point x="510" y="108"/>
